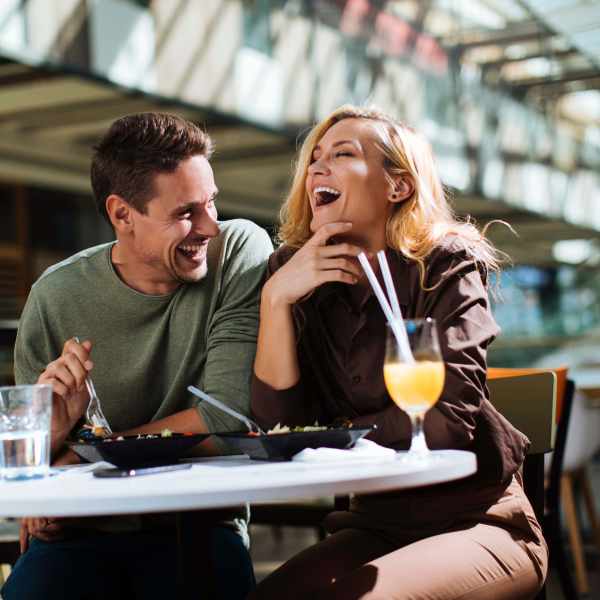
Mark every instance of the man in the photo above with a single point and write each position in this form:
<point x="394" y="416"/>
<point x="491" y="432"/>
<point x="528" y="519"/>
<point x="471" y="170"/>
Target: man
<point x="173" y="301"/>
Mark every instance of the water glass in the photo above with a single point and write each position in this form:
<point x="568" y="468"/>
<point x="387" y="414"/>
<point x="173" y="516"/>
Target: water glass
<point x="25" y="415"/>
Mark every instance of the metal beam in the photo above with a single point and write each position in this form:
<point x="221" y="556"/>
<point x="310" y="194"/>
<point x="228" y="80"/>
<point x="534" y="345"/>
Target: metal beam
<point x="552" y="18"/>
<point x="554" y="90"/>
<point x="256" y="154"/>
<point x="422" y="11"/>
<point x="519" y="32"/>
<point x="549" y="54"/>
<point x="12" y="73"/>
<point x="74" y="112"/>
<point x="523" y="84"/>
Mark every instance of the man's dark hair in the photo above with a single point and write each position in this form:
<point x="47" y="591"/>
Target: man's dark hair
<point x="138" y="147"/>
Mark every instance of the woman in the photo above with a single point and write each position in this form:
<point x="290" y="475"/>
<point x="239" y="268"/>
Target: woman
<point x="367" y="182"/>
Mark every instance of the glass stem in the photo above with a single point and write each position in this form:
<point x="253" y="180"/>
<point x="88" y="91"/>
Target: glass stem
<point x="418" y="444"/>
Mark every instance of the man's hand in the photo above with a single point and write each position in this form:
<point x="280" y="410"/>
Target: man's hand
<point x="42" y="528"/>
<point x="315" y="264"/>
<point x="67" y="376"/>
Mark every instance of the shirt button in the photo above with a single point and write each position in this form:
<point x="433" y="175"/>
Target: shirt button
<point x="356" y="379"/>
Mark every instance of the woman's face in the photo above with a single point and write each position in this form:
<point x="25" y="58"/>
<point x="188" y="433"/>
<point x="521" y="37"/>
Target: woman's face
<point x="346" y="182"/>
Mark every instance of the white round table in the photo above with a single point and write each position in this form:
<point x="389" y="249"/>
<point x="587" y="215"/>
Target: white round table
<point x="222" y="481"/>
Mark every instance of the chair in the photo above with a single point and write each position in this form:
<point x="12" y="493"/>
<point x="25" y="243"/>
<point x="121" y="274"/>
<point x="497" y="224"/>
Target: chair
<point x="561" y="380"/>
<point x="582" y="436"/>
<point x="528" y="401"/>
<point x="555" y="491"/>
<point x="552" y="518"/>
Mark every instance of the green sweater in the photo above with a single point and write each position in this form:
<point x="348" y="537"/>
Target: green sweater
<point x="148" y="349"/>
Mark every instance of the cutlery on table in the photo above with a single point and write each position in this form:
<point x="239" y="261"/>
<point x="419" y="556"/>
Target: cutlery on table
<point x="111" y="473"/>
<point x="250" y="424"/>
<point x="93" y="413"/>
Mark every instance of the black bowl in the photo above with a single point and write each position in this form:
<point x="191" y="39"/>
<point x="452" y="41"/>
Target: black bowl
<point x="132" y="451"/>
<point x="282" y="446"/>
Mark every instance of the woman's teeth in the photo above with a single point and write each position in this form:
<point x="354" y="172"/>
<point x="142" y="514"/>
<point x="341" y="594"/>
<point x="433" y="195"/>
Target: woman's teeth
<point x="326" y="195"/>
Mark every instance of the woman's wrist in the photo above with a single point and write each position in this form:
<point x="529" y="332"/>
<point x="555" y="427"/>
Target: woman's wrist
<point x="272" y="297"/>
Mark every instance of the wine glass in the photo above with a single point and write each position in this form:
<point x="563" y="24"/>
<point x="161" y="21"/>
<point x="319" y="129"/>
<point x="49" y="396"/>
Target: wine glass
<point x="414" y="383"/>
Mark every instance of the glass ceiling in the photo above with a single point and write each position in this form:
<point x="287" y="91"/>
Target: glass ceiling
<point x="466" y="72"/>
<point x="546" y="52"/>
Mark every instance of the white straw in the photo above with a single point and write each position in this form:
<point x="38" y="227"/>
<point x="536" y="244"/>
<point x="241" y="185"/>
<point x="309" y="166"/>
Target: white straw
<point x="389" y="315"/>
<point x="389" y="284"/>
<point x="396" y="322"/>
<point x="399" y="330"/>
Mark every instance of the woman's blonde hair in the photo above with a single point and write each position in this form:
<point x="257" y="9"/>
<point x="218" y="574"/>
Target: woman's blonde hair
<point x="416" y="225"/>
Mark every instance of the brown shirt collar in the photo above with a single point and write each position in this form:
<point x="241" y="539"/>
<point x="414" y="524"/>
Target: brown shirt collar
<point x="399" y="268"/>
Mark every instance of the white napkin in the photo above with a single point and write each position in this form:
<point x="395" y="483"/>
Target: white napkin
<point x="363" y="450"/>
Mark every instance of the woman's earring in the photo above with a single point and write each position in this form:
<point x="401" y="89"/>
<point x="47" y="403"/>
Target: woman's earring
<point x="394" y="196"/>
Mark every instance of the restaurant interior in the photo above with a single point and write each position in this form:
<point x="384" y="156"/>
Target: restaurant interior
<point x="506" y="91"/>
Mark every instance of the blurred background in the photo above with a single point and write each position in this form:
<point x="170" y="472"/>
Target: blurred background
<point x="507" y="91"/>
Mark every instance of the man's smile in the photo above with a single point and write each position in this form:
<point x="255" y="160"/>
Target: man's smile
<point x="193" y="251"/>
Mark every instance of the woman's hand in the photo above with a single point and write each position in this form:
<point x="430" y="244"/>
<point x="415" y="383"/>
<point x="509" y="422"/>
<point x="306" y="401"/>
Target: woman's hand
<point x="67" y="376"/>
<point x="314" y="264"/>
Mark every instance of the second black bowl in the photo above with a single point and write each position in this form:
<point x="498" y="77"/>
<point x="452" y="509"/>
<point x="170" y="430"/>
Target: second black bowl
<point x="282" y="446"/>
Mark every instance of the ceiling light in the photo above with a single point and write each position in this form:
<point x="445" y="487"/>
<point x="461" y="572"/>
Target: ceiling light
<point x="573" y="252"/>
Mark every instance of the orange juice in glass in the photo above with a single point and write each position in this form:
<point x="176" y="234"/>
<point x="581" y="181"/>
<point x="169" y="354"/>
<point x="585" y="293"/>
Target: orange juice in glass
<point x="414" y="383"/>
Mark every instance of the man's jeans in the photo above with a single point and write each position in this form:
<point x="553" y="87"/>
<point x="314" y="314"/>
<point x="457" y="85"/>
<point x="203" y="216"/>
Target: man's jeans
<point x="125" y="565"/>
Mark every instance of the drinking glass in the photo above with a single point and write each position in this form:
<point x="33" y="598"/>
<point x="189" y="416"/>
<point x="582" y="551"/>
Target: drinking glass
<point x="415" y="384"/>
<point x="25" y="414"/>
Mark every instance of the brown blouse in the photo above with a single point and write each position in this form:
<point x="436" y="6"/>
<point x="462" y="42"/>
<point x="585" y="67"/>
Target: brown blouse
<point x="341" y="345"/>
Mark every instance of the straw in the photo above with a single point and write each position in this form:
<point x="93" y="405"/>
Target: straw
<point x="389" y="284"/>
<point x="395" y="320"/>
<point x="387" y="311"/>
<point x="399" y="330"/>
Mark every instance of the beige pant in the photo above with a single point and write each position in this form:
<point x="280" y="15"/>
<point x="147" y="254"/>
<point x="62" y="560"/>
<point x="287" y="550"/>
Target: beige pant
<point x="501" y="556"/>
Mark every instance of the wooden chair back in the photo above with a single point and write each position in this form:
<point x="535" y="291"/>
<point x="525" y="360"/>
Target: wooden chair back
<point x="528" y="401"/>
<point x="561" y="380"/>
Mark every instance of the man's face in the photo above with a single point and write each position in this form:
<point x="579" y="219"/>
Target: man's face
<point x="171" y="239"/>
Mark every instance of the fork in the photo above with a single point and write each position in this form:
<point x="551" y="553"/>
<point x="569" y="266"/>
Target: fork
<point x="250" y="424"/>
<point x="93" y="413"/>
